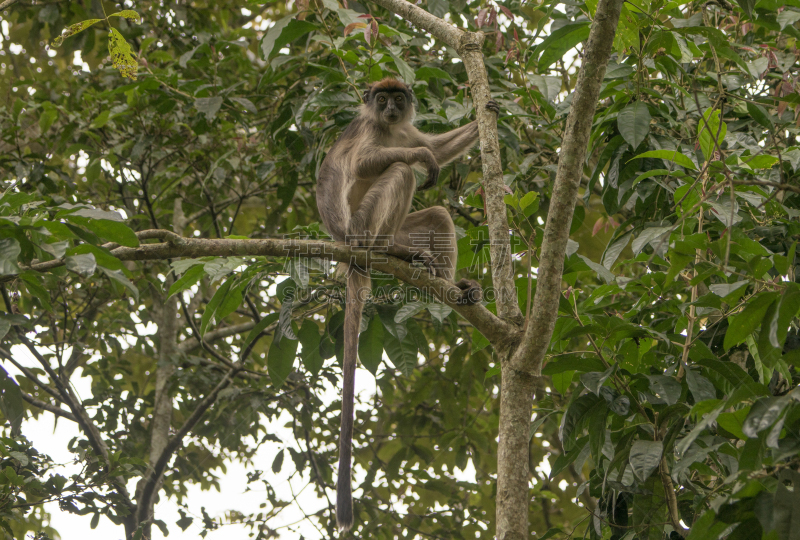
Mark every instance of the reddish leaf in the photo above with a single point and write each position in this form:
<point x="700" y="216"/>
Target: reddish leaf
<point x="507" y="11"/>
<point x="499" y="42"/>
<point x="352" y="26"/>
<point x="374" y="26"/>
<point x="481" y="17"/>
<point x="598" y="225"/>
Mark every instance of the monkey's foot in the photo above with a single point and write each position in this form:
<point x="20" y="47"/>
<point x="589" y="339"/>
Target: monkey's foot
<point x="471" y="292"/>
<point x="493" y="106"/>
<point x="428" y="259"/>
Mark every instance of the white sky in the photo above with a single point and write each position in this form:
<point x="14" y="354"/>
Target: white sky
<point x="233" y="483"/>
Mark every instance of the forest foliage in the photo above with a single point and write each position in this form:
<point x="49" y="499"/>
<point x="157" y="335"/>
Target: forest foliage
<point x="670" y="394"/>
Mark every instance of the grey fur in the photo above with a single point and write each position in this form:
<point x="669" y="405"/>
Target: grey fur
<point x="364" y="194"/>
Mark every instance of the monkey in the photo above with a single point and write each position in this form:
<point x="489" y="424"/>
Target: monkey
<point x="364" y="192"/>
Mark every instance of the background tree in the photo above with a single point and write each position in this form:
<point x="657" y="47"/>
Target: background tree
<point x="668" y="399"/>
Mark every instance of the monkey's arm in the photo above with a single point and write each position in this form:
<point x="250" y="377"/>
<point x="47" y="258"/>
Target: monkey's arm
<point x="448" y="146"/>
<point x="373" y="160"/>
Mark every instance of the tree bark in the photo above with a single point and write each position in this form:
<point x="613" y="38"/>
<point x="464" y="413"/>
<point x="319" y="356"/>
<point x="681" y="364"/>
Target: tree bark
<point x="525" y="365"/>
<point x="162" y="402"/>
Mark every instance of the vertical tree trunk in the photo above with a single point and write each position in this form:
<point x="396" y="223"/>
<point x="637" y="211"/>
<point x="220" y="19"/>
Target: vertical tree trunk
<point x="165" y="370"/>
<point x="525" y="365"/>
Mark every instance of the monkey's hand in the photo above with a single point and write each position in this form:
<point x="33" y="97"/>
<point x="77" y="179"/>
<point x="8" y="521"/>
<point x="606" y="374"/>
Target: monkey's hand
<point x="429" y="160"/>
<point x="493" y="106"/>
<point x="471" y="292"/>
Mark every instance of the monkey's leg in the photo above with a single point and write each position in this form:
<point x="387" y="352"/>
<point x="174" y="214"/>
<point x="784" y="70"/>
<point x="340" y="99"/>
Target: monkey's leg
<point x="432" y="231"/>
<point x="383" y="208"/>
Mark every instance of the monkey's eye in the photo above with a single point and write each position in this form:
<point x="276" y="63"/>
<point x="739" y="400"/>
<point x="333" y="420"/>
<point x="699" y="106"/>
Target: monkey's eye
<point x="381" y="99"/>
<point x="398" y="99"/>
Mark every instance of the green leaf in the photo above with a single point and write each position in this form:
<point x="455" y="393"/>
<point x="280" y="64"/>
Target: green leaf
<point x="232" y="300"/>
<point x="706" y="528"/>
<point x="213" y="304"/>
<point x="634" y="123"/>
<point x="787" y="17"/>
<point x="594" y="380"/>
<point x="257" y="329"/>
<point x="283" y="32"/>
<point x="190" y="278"/>
<point x="747" y="6"/>
<point x="439" y="311"/>
<point x="46" y="119"/>
<point x="246" y="103"/>
<point x="479" y="341"/>
<point x="11" y="403"/>
<point x="403" y="354"/>
<point x="9" y="252"/>
<point x="208" y="106"/>
<point x="370" y="345"/>
<point x="277" y="463"/>
<point x="128" y="14"/>
<point x="280" y="360"/>
<point x="665" y="388"/>
<point x="763" y="414"/>
<point x="285" y="318"/>
<point x="113" y="231"/>
<point x="743" y="324"/>
<point x="700" y="387"/>
<point x="35" y="289"/>
<point x="551" y="533"/>
<point x="74" y="29"/>
<point x="559" y="42"/>
<point x="645" y="457"/>
<point x="83" y="265"/>
<point x="562" y="381"/>
<point x="310" y="339"/>
<point x="698" y="429"/>
<point x="668" y="155"/>
<point x="711" y="133"/>
<point x="438" y="8"/>
<point x="119" y="277"/>
<point x="574" y="416"/>
<point x="408" y="311"/>
<point x="788" y="307"/>
<point x="121" y="54"/>
<point x="426" y="73"/>
<point x="759" y="114"/>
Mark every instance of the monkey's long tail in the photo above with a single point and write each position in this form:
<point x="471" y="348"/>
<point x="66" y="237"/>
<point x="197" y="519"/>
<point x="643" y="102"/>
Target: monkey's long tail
<point x="358" y="286"/>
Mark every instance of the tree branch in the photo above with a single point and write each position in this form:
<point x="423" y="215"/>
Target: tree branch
<point x="58" y="411"/>
<point x="521" y="372"/>
<point x="495" y="329"/>
<point x="530" y="355"/>
<point x="30" y="375"/>
<point x="160" y="464"/>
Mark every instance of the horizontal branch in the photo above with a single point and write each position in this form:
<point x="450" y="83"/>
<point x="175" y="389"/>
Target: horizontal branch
<point x="176" y="246"/>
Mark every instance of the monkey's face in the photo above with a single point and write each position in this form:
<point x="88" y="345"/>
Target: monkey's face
<point x="392" y="106"/>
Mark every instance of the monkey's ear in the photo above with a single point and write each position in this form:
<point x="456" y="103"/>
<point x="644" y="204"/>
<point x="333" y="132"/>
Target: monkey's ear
<point x="368" y="93"/>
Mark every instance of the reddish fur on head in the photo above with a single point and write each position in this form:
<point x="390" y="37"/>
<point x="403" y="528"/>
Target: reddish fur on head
<point x="387" y="85"/>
